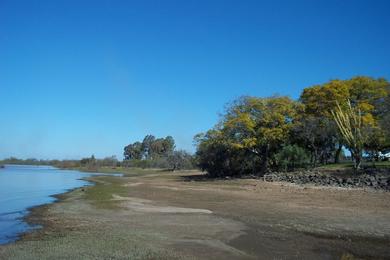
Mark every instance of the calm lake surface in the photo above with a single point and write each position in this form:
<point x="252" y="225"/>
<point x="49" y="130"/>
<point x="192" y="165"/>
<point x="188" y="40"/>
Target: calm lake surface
<point x="22" y="187"/>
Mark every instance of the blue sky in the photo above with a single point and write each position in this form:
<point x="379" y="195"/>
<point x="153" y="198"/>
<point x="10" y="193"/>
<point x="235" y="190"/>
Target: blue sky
<point x="88" y="77"/>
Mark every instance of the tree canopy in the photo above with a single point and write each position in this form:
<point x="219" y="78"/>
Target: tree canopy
<point x="249" y="135"/>
<point x="151" y="147"/>
<point x="256" y="135"/>
<point x="155" y="152"/>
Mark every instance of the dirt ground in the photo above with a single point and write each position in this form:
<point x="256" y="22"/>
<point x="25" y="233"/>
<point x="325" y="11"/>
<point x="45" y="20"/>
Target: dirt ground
<point x="164" y="215"/>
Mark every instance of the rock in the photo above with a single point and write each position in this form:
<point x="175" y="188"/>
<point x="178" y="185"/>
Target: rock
<point x="377" y="180"/>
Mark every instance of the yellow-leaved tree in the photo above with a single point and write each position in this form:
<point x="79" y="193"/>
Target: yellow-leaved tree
<point x="349" y="122"/>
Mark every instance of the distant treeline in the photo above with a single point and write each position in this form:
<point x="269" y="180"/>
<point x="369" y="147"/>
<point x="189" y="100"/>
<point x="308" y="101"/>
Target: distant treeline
<point x="256" y="135"/>
<point x="30" y="161"/>
<point x="152" y="152"/>
<point x="155" y="152"/>
<point x="90" y="163"/>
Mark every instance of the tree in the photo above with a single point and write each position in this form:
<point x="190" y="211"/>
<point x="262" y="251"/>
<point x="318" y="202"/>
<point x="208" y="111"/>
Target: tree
<point x="365" y="93"/>
<point x="147" y="146"/>
<point x="152" y="152"/>
<point x="349" y="122"/>
<point x="260" y="126"/>
<point x="180" y="160"/>
<point x="248" y="137"/>
<point x="153" y="148"/>
<point x="218" y="158"/>
<point x="109" y="161"/>
<point x="368" y="94"/>
<point x="134" y="151"/>
<point x="156" y="148"/>
<point x="318" y="136"/>
<point x="384" y="121"/>
<point x="160" y="147"/>
<point x="91" y="163"/>
<point x="375" y="142"/>
<point x="384" y="125"/>
<point x="292" y="156"/>
<point x="319" y="101"/>
<point x="168" y="145"/>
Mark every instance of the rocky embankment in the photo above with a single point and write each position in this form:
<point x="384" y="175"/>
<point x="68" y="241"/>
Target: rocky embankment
<point x="376" y="179"/>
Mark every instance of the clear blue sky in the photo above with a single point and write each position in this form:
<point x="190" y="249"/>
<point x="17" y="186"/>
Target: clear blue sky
<point x="88" y="77"/>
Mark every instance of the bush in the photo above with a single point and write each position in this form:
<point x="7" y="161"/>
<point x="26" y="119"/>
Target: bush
<point x="179" y="160"/>
<point x="291" y="157"/>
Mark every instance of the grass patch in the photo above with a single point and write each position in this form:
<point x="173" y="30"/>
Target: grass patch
<point x="102" y="244"/>
<point x="349" y="165"/>
<point x="126" y="171"/>
<point x="100" y="195"/>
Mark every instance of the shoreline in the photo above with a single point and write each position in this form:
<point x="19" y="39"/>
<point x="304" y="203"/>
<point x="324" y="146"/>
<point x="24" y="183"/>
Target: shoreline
<point x="223" y="219"/>
<point x="34" y="216"/>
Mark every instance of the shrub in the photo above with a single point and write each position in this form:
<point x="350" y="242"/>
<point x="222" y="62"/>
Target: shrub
<point x="291" y="157"/>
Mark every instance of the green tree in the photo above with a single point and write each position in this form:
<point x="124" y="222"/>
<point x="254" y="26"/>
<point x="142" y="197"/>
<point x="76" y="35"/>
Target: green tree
<point x="134" y="151"/>
<point x="111" y="161"/>
<point x="319" y="101"/>
<point x="291" y="157"/>
<point x="248" y="137"/>
<point x="368" y="94"/>
<point x="318" y="136"/>
<point x="375" y="142"/>
<point x="152" y="152"/>
<point x="218" y="158"/>
<point x="168" y="145"/>
<point x="260" y="126"/>
<point x="147" y="146"/>
<point x="365" y="93"/>
<point x="179" y="160"/>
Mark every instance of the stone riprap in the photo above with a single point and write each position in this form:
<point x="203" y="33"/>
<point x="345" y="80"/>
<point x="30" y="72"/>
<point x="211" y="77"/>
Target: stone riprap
<point x="376" y="179"/>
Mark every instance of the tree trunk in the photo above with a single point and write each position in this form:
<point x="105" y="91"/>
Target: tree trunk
<point x="357" y="159"/>
<point x="311" y="158"/>
<point x="315" y="159"/>
<point x="358" y="162"/>
<point x="337" y="154"/>
<point x="264" y="164"/>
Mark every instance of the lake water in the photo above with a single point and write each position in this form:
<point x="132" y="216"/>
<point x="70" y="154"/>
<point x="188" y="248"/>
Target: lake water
<point x="23" y="187"/>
